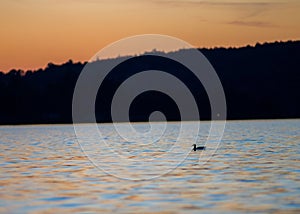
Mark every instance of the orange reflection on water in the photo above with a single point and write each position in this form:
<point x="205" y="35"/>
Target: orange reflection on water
<point x="256" y="169"/>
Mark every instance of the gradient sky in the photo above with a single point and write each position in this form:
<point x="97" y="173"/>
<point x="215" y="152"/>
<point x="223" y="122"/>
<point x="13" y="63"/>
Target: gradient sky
<point x="35" y="32"/>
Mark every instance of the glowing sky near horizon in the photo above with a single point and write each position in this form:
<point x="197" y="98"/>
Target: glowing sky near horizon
<point x="35" y="32"/>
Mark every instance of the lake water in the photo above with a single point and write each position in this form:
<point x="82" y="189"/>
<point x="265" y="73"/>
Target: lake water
<point x="255" y="169"/>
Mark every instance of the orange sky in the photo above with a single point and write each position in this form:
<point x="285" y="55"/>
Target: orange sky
<point x="35" y="32"/>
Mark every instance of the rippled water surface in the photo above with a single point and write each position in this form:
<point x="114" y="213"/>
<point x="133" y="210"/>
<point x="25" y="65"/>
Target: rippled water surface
<point x="255" y="169"/>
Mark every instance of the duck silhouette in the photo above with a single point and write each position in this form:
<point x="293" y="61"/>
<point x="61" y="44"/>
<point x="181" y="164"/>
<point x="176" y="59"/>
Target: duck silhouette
<point x="198" y="148"/>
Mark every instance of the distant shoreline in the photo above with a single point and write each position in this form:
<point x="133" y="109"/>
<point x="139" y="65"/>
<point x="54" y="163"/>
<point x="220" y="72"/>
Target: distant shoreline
<point x="260" y="82"/>
<point x="108" y="123"/>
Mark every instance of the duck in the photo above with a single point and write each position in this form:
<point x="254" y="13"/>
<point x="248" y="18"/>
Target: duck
<point x="198" y="148"/>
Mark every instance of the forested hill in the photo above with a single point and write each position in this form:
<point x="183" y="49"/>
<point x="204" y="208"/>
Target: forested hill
<point x="260" y="82"/>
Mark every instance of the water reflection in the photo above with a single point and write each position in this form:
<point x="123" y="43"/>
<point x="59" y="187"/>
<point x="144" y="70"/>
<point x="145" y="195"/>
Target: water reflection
<point x="256" y="169"/>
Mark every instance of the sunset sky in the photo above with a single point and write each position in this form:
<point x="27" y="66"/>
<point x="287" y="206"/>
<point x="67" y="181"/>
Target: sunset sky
<point x="35" y="32"/>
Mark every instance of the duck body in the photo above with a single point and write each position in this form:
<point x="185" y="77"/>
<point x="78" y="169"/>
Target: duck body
<point x="198" y="148"/>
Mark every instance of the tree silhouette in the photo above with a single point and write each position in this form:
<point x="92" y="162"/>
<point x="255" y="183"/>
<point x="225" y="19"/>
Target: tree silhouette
<point x="259" y="82"/>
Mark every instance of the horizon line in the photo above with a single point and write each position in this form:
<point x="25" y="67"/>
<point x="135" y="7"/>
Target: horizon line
<point x="153" y="50"/>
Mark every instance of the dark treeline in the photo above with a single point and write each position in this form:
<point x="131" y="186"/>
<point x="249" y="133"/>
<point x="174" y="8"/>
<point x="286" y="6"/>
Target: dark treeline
<point x="260" y="82"/>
